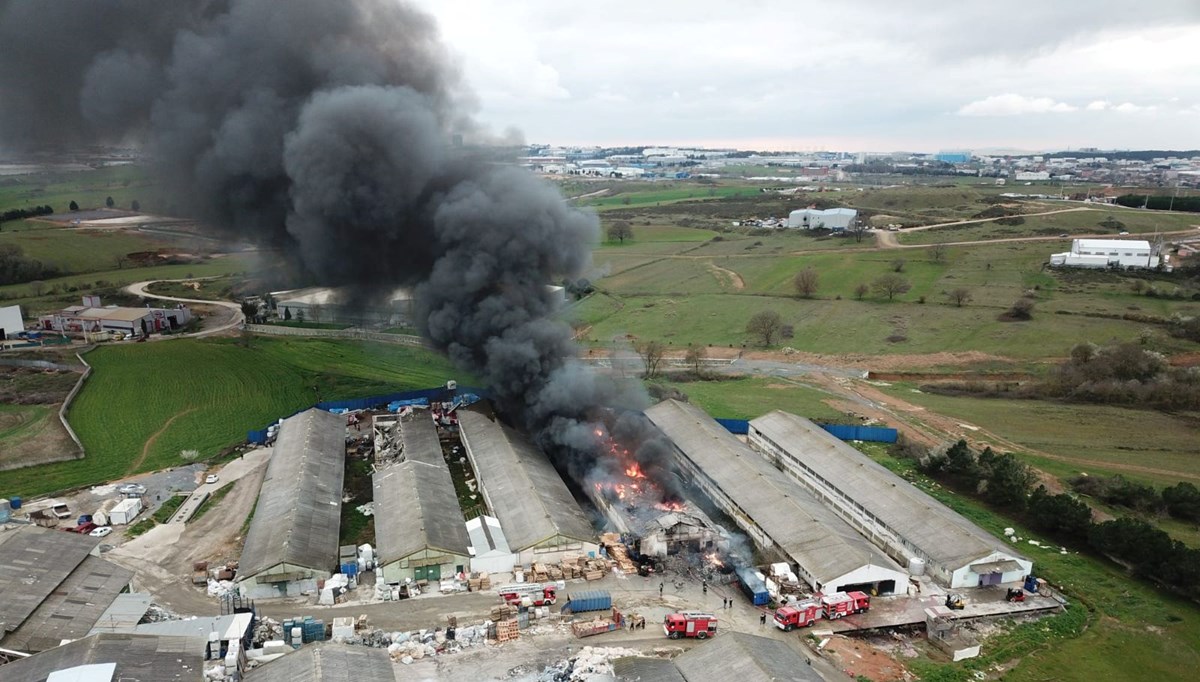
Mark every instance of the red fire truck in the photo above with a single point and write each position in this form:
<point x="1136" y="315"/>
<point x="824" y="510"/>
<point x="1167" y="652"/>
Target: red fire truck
<point x="690" y="624"/>
<point x="537" y="594"/>
<point x="830" y="607"/>
<point x="842" y="604"/>
<point x="799" y="615"/>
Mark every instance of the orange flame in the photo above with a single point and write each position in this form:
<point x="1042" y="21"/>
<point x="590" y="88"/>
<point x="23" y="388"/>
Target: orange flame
<point x="634" y="471"/>
<point x="714" y="560"/>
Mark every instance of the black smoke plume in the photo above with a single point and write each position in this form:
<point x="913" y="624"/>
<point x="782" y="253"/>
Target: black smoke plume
<point x="320" y="128"/>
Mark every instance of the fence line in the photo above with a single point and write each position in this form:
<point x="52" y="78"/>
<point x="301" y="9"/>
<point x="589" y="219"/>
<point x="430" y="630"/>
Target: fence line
<point x="350" y="333"/>
<point x="62" y="410"/>
<point x="874" y="434"/>
<point x="38" y="364"/>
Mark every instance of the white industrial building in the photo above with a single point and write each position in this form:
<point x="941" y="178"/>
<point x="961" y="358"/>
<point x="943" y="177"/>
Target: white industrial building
<point x="320" y="304"/>
<point x="775" y="511"/>
<point x="541" y="519"/>
<point x="91" y="317"/>
<point x="1032" y="176"/>
<point x="1105" y="253"/>
<point x="419" y="531"/>
<point x="489" y="548"/>
<point x="828" y="219"/>
<point x="11" y="322"/>
<point x="293" y="538"/>
<point x="908" y="524"/>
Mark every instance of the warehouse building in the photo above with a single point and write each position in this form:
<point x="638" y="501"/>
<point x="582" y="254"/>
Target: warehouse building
<point x="737" y="655"/>
<point x="319" y="304"/>
<point x="115" y="657"/>
<point x="53" y="587"/>
<point x="327" y="662"/>
<point x="1105" y="253"/>
<point x="11" y="322"/>
<point x="827" y="219"/>
<point x="908" y="524"/>
<point x="540" y="518"/>
<point x="489" y="548"/>
<point x="293" y="539"/>
<point x="775" y="511"/>
<point x="419" y="528"/>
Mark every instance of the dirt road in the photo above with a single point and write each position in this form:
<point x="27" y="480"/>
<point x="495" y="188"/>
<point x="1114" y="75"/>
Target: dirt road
<point x="232" y="319"/>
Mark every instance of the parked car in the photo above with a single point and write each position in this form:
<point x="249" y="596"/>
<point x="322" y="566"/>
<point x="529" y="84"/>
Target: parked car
<point x="211" y="478"/>
<point x="100" y="532"/>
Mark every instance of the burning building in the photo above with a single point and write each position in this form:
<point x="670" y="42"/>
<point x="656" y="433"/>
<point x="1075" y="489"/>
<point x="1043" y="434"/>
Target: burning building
<point x="780" y="516"/>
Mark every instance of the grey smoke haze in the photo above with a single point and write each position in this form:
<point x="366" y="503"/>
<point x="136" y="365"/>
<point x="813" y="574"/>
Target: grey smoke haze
<point x="321" y="128"/>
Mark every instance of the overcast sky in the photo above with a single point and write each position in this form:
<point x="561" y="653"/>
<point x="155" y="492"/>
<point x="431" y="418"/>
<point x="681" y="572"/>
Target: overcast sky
<point x="877" y="75"/>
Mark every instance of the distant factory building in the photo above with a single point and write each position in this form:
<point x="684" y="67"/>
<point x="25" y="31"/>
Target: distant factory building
<point x="11" y="322"/>
<point x="91" y="318"/>
<point x="827" y="219"/>
<point x="775" y="511"/>
<point x="320" y="304"/>
<point x="419" y="527"/>
<point x="908" y="524"/>
<point x="293" y="539"/>
<point x="53" y="587"/>
<point x="1032" y="176"/>
<point x="953" y="156"/>
<point x="1105" y="253"/>
<point x="541" y="520"/>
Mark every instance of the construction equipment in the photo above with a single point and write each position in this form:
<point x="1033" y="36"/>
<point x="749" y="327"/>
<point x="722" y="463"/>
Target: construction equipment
<point x="842" y="604"/>
<point x="690" y="624"/>
<point x="597" y="626"/>
<point x="955" y="602"/>
<point x="1015" y="594"/>
<point x="799" y="615"/>
<point x="200" y="573"/>
<point x="529" y="594"/>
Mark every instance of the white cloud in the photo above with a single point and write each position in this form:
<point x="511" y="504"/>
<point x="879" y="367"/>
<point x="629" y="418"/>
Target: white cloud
<point x="1131" y="108"/>
<point x="1099" y="105"/>
<point x="1010" y="104"/>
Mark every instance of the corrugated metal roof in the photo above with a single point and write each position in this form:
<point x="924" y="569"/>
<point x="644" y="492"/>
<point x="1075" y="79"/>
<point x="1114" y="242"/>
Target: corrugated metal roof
<point x="144" y="658"/>
<point x="228" y="627"/>
<point x="945" y="536"/>
<point x="73" y="608"/>
<point x="33" y="563"/>
<point x="487" y="535"/>
<point x="123" y="614"/>
<point x="327" y="662"/>
<point x="523" y="489"/>
<point x="120" y="314"/>
<point x="745" y="658"/>
<point x="644" y="669"/>
<point x="416" y="508"/>
<point x="809" y="532"/>
<point x="420" y="438"/>
<point x="1112" y="243"/>
<point x="298" y="515"/>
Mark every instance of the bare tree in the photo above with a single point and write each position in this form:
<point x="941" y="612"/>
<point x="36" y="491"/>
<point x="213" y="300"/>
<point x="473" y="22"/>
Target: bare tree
<point x="890" y="285"/>
<point x="651" y="353"/>
<point x="860" y="291"/>
<point x="898" y="265"/>
<point x="765" y="326"/>
<point x="858" y="230"/>
<point x="806" y="282"/>
<point x="937" y="253"/>
<point x="121" y="259"/>
<point x="620" y="230"/>
<point x="1022" y="309"/>
<point x="314" y="312"/>
<point x="694" y="357"/>
<point x="38" y="287"/>
<point x="959" y="296"/>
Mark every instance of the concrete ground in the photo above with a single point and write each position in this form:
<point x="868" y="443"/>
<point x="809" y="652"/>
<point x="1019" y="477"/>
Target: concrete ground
<point x="227" y="475"/>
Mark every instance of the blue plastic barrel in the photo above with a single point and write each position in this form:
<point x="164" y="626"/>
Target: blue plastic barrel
<point x="14" y="502"/>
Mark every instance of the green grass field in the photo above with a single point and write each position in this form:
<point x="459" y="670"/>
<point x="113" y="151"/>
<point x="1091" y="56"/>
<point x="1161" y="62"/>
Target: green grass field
<point x="89" y="189"/>
<point x="1133" y="630"/>
<point x="212" y="392"/>
<point x="752" y="397"/>
<point x="1084" y="438"/>
<point x="78" y="251"/>
<point x="634" y="195"/>
<point x="1074" y="222"/>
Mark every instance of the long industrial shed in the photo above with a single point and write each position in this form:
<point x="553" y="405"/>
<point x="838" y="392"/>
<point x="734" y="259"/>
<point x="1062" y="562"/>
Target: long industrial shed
<point x="771" y="508"/>
<point x="293" y="539"/>
<point x="905" y="522"/>
<point x="541" y="519"/>
<point x="419" y="527"/>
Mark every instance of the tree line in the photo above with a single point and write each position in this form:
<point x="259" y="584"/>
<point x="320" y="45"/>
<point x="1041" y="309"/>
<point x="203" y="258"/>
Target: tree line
<point x="1006" y="482"/>
<point x="1163" y="202"/>
<point x="23" y="213"/>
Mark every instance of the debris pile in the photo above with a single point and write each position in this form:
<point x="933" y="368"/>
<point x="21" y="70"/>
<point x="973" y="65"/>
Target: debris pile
<point x="591" y="663"/>
<point x="220" y="588"/>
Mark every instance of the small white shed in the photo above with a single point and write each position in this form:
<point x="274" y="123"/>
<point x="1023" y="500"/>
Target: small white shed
<point x="489" y="548"/>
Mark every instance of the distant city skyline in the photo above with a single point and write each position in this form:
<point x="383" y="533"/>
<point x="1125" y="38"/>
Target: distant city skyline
<point x="857" y="76"/>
